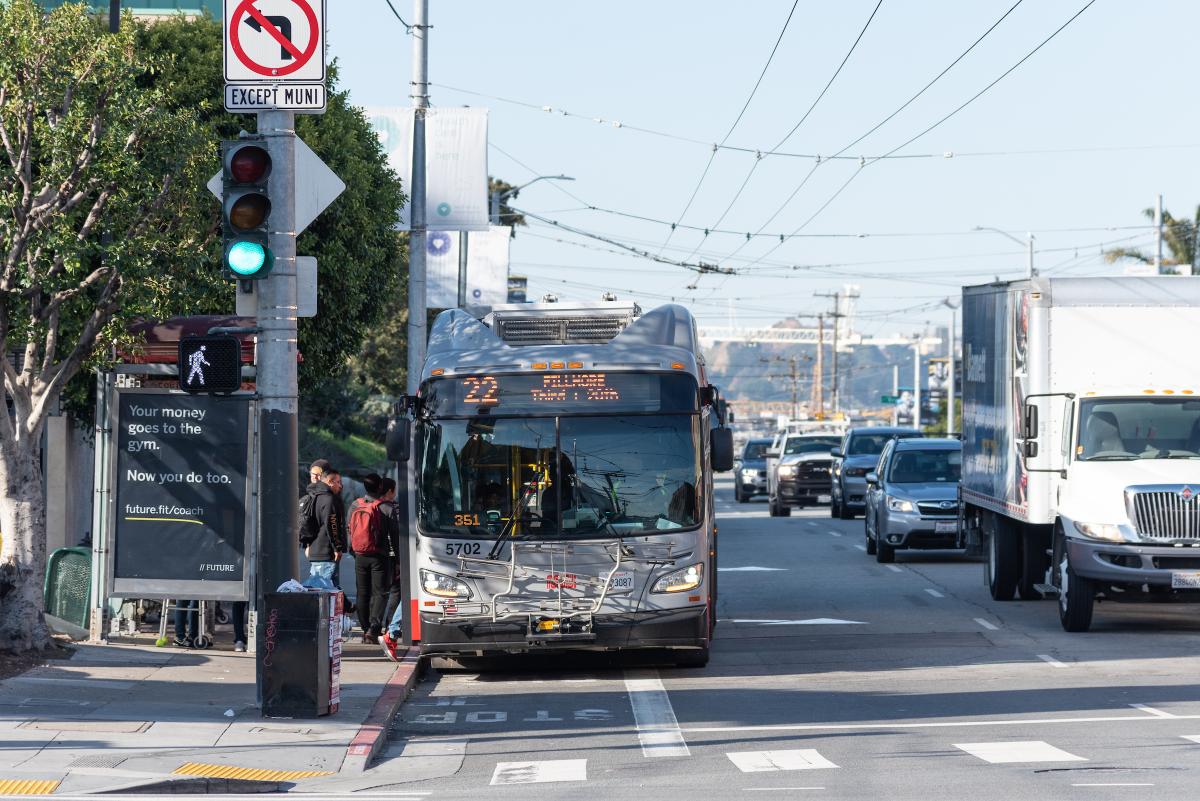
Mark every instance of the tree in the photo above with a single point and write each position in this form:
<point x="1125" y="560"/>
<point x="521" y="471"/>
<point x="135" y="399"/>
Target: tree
<point x="95" y="212"/>
<point x="1180" y="238"/>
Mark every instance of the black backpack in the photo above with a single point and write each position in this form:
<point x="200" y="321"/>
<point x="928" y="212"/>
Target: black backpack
<point x="308" y="526"/>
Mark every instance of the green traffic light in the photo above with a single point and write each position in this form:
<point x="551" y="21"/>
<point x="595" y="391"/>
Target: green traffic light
<point x="246" y="258"/>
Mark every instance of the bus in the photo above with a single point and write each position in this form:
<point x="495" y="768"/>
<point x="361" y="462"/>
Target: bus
<point x="560" y="466"/>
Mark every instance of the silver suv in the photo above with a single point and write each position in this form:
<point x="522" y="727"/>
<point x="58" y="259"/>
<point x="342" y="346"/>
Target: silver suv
<point x="852" y="460"/>
<point x="912" y="497"/>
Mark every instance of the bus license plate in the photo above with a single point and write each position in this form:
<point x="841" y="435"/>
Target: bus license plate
<point x="946" y="527"/>
<point x="1185" y="581"/>
<point x="621" y="581"/>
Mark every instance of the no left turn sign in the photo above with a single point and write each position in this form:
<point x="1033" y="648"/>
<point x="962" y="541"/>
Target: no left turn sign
<point x="274" y="40"/>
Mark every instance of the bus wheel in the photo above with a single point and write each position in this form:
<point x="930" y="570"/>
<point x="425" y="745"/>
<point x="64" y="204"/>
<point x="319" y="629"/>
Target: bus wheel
<point x="692" y="658"/>
<point x="1076" y="599"/>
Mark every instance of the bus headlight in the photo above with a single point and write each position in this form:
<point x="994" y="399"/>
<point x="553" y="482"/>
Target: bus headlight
<point x="681" y="580"/>
<point x="443" y="586"/>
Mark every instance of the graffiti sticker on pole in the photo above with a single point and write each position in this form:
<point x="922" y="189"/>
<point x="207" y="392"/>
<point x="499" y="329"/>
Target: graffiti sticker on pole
<point x="274" y="41"/>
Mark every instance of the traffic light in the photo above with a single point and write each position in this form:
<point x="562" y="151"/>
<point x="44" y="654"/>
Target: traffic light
<point x="210" y="364"/>
<point x="245" y="209"/>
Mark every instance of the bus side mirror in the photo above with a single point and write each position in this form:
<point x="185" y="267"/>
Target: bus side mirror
<point x="399" y="438"/>
<point x="722" y="449"/>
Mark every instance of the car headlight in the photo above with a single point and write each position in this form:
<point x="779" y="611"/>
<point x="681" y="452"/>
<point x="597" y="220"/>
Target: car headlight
<point x="748" y="473"/>
<point x="900" y="505"/>
<point x="1101" y="531"/>
<point x="443" y="586"/>
<point x="689" y="578"/>
<point x="787" y="470"/>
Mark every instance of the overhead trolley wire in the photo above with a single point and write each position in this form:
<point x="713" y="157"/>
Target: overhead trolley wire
<point x="716" y="148"/>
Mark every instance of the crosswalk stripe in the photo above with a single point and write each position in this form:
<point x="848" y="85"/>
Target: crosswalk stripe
<point x="550" y="770"/>
<point x="798" y="759"/>
<point x="658" y="729"/>
<point x="1021" y="751"/>
<point x="1195" y="738"/>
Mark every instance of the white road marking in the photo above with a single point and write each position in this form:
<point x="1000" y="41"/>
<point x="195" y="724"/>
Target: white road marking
<point x="1115" y="784"/>
<point x="934" y="593"/>
<point x="552" y="770"/>
<point x="986" y="625"/>
<point x="816" y="621"/>
<point x="750" y="569"/>
<point x="1021" y="751"/>
<point x="835" y="533"/>
<point x="658" y="730"/>
<point x="778" y="789"/>
<point x="760" y="761"/>
<point x="861" y="547"/>
<point x="1049" y="660"/>
<point x="894" y="569"/>
<point x="1195" y="738"/>
<point x="949" y="724"/>
<point x="1149" y="710"/>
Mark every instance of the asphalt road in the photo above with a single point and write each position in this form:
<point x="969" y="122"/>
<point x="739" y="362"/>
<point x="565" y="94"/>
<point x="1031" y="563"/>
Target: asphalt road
<point x="834" y="677"/>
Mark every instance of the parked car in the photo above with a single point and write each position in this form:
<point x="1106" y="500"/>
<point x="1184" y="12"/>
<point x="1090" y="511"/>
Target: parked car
<point x="912" y="497"/>
<point x="800" y="476"/>
<point x="857" y="455"/>
<point x="750" y="473"/>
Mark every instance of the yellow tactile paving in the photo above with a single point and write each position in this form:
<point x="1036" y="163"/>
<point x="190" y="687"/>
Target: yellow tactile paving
<point x="253" y="774"/>
<point x="28" y="786"/>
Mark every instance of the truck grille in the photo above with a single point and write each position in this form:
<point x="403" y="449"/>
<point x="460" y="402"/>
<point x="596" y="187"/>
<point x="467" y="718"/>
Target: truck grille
<point x="1166" y="515"/>
<point x="813" y="470"/>
<point x="934" y="509"/>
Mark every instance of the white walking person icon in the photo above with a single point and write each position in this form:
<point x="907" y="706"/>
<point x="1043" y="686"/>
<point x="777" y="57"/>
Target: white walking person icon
<point x="197" y="363"/>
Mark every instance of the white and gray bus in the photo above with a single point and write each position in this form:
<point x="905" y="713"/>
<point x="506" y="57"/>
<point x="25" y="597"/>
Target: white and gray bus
<point x="560" y="462"/>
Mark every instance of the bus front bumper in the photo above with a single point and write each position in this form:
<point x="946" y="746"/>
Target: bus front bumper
<point x="669" y="628"/>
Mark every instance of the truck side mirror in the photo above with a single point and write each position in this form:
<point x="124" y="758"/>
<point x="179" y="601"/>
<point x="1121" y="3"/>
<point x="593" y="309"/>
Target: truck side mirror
<point x="722" y="449"/>
<point x="1030" y="448"/>
<point x="771" y="455"/>
<point x="399" y="438"/>
<point x="1029" y="422"/>
<point x="835" y="452"/>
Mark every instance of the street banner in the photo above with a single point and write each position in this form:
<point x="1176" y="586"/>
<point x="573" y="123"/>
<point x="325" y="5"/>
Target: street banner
<point x="456" y="172"/>
<point x="179" y="512"/>
<point x="487" y="267"/>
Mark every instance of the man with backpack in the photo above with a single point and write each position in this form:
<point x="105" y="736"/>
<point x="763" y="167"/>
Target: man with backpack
<point x="370" y="542"/>
<point x="320" y="526"/>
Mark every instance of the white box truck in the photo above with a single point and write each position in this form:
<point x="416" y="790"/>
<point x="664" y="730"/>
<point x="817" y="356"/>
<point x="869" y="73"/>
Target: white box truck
<point x="1081" y="439"/>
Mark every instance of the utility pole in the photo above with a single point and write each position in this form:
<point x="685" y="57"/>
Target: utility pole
<point x="837" y="316"/>
<point x="818" y="400"/>
<point x="416" y="200"/>
<point x="462" y="269"/>
<point x="1158" y="236"/>
<point x="793" y="375"/>
<point x="275" y="299"/>
<point x="895" y="394"/>
<point x="917" y="383"/>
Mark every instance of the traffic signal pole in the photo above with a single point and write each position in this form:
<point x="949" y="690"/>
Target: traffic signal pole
<point x="278" y="486"/>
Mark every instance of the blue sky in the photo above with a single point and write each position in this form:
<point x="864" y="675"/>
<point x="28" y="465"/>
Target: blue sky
<point x="1112" y="88"/>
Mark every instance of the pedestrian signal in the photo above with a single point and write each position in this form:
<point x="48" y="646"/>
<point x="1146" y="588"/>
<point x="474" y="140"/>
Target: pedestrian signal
<point x="245" y="209"/>
<point x="210" y="364"/>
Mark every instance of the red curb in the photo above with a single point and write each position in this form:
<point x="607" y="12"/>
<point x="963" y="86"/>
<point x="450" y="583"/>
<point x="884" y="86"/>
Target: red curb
<point x="373" y="733"/>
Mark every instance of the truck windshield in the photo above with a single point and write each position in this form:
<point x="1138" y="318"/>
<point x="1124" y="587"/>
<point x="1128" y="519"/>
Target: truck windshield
<point x="926" y="467"/>
<point x="1116" y="429"/>
<point x="810" y="445"/>
<point x="570" y="477"/>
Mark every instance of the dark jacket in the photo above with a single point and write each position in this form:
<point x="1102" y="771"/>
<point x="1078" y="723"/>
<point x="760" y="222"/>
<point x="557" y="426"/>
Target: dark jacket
<point x="331" y="531"/>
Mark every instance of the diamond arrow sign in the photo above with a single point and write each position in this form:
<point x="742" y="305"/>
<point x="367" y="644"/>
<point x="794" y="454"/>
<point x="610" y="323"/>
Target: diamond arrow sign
<point x="316" y="186"/>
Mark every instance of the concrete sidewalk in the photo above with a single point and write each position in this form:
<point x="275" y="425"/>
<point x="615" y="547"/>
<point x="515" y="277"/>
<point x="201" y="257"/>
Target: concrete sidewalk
<point x="124" y="716"/>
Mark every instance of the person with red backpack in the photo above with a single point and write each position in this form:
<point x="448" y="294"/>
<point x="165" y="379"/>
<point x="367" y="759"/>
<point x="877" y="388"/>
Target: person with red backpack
<point x="369" y="542"/>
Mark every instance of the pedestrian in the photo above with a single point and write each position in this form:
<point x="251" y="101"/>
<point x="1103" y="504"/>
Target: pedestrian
<point x="187" y="623"/>
<point x="390" y="639"/>
<point x="369" y="542"/>
<point x="239" y="626"/>
<point x="321" y="532"/>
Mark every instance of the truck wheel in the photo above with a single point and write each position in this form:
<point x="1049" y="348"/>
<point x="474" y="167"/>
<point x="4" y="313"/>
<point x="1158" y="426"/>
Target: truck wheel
<point x="1003" y="559"/>
<point x="835" y="508"/>
<point x="1076" y="599"/>
<point x="1034" y="562"/>
<point x="785" y="510"/>
<point x="772" y="509"/>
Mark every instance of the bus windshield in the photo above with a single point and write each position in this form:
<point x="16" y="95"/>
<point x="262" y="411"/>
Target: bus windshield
<point x="559" y="477"/>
